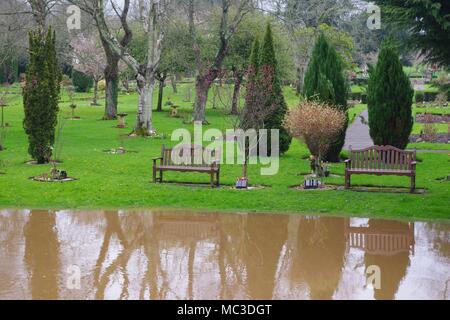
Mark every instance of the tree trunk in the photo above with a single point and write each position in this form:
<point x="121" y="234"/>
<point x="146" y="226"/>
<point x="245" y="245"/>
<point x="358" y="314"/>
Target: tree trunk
<point x="126" y="83"/>
<point x="173" y="81"/>
<point x="214" y="97"/>
<point x="144" y="125"/>
<point x="162" y="81"/>
<point x="202" y="86"/>
<point x="187" y="98"/>
<point x="245" y="168"/>
<point x="112" y="85"/>
<point x="236" y="93"/>
<point x="40" y="10"/>
<point x="95" y="98"/>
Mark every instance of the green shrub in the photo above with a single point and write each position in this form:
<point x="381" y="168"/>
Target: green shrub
<point x="420" y="97"/>
<point x="82" y="82"/>
<point x="102" y="85"/>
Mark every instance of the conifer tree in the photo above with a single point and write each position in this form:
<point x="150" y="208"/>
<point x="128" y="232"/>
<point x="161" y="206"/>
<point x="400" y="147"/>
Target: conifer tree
<point x="269" y="83"/>
<point x="390" y="98"/>
<point x="325" y="81"/>
<point x="41" y="95"/>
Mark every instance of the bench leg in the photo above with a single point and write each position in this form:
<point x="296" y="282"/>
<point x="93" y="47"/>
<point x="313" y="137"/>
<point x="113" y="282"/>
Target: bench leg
<point x="160" y="176"/>
<point x="413" y="184"/>
<point x="154" y="174"/>
<point x="212" y="179"/>
<point x="347" y="180"/>
<point x="218" y="178"/>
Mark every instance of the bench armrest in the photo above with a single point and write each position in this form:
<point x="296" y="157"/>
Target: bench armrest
<point x="215" y="163"/>
<point x="347" y="163"/>
<point x="156" y="159"/>
<point x="413" y="165"/>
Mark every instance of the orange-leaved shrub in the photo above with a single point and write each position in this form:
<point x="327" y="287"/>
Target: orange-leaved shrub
<point x="316" y="123"/>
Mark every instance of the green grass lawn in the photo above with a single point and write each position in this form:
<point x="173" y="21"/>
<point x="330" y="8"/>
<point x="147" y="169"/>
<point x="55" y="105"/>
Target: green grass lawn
<point x="355" y="111"/>
<point x="441" y="127"/>
<point x="108" y="181"/>
<point x="357" y="89"/>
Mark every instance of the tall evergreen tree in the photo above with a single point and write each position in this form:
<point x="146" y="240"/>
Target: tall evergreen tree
<point x="325" y="81"/>
<point x="390" y="98"/>
<point x="41" y="95"/>
<point x="274" y="98"/>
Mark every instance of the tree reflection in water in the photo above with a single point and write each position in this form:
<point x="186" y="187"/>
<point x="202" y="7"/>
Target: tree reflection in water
<point x="41" y="255"/>
<point x="163" y="255"/>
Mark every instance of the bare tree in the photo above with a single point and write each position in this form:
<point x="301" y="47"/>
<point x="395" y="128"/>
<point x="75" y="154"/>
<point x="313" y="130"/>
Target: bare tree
<point x="89" y="58"/>
<point x="124" y="37"/>
<point x="14" y="16"/>
<point x="151" y="14"/>
<point x="40" y="10"/>
<point x="206" y="74"/>
<point x="253" y="115"/>
<point x="303" y="19"/>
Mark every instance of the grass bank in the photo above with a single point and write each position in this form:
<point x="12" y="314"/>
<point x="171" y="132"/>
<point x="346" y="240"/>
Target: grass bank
<point x="123" y="181"/>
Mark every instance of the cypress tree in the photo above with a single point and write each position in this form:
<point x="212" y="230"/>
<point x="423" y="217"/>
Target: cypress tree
<point x="274" y="98"/>
<point x="41" y="95"/>
<point x="390" y="98"/>
<point x="325" y="81"/>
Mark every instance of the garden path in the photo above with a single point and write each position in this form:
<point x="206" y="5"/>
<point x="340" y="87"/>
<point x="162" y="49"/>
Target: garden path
<point x="358" y="136"/>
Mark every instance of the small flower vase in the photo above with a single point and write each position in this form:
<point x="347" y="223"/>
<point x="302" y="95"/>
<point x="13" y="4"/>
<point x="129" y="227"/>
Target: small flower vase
<point x="311" y="183"/>
<point x="242" y="183"/>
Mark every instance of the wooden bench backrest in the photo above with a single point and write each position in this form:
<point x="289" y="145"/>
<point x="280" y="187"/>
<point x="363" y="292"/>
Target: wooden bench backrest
<point x="382" y="158"/>
<point x="166" y="154"/>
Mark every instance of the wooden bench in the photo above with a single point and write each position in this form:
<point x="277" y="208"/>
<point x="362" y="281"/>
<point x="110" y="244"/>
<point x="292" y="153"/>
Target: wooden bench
<point x="195" y="162"/>
<point x="381" y="160"/>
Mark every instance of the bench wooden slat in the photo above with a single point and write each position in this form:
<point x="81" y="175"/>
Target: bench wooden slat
<point x="197" y="163"/>
<point x="381" y="160"/>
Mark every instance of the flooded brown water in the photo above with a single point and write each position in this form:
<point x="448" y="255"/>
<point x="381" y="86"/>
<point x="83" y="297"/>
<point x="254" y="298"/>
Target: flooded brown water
<point x="163" y="255"/>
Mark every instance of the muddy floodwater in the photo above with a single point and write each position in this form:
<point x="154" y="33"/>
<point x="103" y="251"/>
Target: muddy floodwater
<point x="181" y="255"/>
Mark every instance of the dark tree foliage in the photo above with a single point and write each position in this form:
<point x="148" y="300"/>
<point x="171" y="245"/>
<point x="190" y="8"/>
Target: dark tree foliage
<point x="274" y="99"/>
<point x="9" y="72"/>
<point x="428" y="22"/>
<point x="390" y="98"/>
<point x="81" y="81"/>
<point x="41" y="95"/>
<point x="325" y="81"/>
